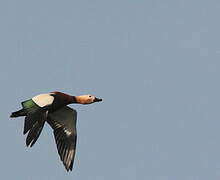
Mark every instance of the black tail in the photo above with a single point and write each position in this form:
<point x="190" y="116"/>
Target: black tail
<point x="21" y="112"/>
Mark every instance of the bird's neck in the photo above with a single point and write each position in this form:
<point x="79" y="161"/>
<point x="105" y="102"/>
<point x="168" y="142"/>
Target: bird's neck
<point x="73" y="100"/>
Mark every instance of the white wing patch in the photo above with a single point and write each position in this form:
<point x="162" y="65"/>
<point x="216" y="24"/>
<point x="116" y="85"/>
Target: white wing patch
<point x="43" y="100"/>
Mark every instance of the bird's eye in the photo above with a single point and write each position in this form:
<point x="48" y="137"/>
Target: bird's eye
<point x="90" y="96"/>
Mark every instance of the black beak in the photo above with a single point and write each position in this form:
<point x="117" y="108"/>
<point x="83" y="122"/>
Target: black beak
<point x="97" y="99"/>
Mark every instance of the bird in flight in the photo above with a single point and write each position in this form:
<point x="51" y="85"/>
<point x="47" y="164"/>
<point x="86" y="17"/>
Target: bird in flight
<point x="52" y="108"/>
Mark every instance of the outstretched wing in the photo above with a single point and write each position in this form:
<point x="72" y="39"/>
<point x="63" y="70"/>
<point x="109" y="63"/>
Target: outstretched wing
<point x="63" y="122"/>
<point x="34" y="123"/>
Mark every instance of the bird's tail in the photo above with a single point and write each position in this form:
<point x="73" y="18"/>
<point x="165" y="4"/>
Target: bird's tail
<point x="21" y="112"/>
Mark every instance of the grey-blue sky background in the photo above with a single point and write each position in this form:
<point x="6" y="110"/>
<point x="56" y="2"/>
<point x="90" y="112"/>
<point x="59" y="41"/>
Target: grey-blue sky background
<point x="156" y="65"/>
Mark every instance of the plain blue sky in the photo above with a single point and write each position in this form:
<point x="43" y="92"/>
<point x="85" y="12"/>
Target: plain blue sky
<point x="155" y="63"/>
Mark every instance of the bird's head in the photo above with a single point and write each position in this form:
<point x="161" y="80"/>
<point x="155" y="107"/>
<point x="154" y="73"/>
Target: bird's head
<point x="87" y="99"/>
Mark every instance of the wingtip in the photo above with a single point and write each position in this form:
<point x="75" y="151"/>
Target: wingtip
<point x="27" y="144"/>
<point x="69" y="169"/>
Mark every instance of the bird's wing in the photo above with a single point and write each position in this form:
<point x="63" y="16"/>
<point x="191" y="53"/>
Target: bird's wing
<point x="34" y="123"/>
<point x="63" y="122"/>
